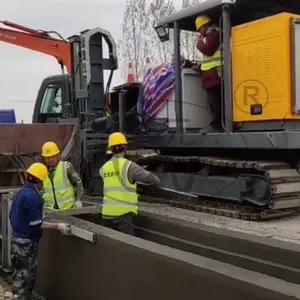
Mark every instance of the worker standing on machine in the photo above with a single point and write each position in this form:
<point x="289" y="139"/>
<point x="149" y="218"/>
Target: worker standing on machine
<point x="120" y="177"/>
<point x="26" y="218"/>
<point x="208" y="44"/>
<point x="63" y="188"/>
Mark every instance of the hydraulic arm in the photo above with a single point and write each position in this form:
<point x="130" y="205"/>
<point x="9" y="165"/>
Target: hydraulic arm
<point x="38" y="40"/>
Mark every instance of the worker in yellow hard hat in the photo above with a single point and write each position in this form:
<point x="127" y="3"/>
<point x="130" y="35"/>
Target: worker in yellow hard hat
<point x="63" y="188"/>
<point x="120" y="177"/>
<point x="208" y="44"/>
<point x="26" y="219"/>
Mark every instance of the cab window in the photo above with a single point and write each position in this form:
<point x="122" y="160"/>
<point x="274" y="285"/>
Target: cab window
<point x="52" y="100"/>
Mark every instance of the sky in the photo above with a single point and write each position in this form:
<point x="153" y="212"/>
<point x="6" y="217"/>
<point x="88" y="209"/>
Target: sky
<point x="22" y="70"/>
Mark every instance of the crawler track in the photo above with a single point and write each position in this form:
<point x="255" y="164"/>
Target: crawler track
<point x="281" y="199"/>
<point x="235" y="211"/>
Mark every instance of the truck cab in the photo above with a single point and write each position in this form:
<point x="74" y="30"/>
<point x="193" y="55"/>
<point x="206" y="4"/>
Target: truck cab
<point x="53" y="100"/>
<point x="80" y="94"/>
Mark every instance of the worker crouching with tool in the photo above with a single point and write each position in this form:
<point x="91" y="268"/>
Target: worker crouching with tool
<point x="63" y="187"/>
<point x="26" y="218"/>
<point x="120" y="177"/>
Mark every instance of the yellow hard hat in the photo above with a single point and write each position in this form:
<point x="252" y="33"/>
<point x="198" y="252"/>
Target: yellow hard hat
<point x="202" y="20"/>
<point x="116" y="138"/>
<point x="38" y="170"/>
<point x="50" y="149"/>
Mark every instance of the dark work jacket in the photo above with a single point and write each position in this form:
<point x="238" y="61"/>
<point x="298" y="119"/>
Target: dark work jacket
<point x="26" y="214"/>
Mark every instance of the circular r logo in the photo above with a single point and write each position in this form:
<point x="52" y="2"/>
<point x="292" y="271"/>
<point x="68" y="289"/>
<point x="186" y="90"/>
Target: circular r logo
<point x="250" y="92"/>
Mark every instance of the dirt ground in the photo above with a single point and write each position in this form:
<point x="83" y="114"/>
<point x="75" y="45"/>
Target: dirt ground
<point x="5" y="290"/>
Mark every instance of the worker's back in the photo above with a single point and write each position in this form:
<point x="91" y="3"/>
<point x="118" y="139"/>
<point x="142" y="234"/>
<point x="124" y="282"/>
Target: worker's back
<point x="25" y="207"/>
<point x="120" y="196"/>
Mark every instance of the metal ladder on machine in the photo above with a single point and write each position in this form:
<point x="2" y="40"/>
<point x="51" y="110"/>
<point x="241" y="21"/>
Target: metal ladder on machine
<point x="6" y="230"/>
<point x="89" y="64"/>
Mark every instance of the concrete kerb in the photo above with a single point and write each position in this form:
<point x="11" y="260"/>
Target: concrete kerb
<point x="242" y="250"/>
<point x="173" y="253"/>
<point x="254" y="279"/>
<point x="222" y="232"/>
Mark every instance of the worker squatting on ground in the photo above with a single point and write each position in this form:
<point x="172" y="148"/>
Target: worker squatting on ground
<point x="208" y="44"/>
<point x="120" y="175"/>
<point x="63" y="187"/>
<point x="26" y="218"/>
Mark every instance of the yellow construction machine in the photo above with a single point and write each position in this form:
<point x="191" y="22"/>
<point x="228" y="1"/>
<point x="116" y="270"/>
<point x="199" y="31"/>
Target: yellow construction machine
<point x="251" y="169"/>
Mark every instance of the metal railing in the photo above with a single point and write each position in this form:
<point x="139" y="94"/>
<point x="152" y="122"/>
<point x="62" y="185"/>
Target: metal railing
<point x="6" y="230"/>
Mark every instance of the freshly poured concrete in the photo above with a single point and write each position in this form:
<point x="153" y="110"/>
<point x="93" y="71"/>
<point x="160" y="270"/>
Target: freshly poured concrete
<point x="284" y="229"/>
<point x="125" y="267"/>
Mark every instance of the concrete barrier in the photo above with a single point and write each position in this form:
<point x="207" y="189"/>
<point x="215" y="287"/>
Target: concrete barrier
<point x="118" y="267"/>
<point x="260" y="254"/>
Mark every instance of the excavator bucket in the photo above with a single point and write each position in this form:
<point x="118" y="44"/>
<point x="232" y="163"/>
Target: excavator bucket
<point x="21" y="145"/>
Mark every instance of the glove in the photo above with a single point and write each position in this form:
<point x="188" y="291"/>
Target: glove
<point x="78" y="204"/>
<point x="64" y="228"/>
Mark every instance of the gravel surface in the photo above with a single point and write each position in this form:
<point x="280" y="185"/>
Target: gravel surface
<point x="286" y="229"/>
<point x="5" y="291"/>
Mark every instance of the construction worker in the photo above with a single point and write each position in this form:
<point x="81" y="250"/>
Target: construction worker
<point x="63" y="187"/>
<point x="26" y="218"/>
<point x="208" y="44"/>
<point x="120" y="177"/>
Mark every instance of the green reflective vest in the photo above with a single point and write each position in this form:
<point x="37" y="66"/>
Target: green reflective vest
<point x="214" y="61"/>
<point x="119" y="195"/>
<point x="61" y="189"/>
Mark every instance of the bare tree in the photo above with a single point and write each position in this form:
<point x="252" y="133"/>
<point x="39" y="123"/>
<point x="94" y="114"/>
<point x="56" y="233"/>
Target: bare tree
<point x="159" y="52"/>
<point x="139" y="39"/>
<point x="123" y="61"/>
<point x="133" y="46"/>
<point x="188" y="39"/>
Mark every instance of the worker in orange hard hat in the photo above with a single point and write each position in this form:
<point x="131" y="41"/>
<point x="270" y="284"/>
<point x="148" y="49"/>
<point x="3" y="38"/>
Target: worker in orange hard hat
<point x="120" y="177"/>
<point x="208" y="44"/>
<point x="63" y="188"/>
<point x="27" y="222"/>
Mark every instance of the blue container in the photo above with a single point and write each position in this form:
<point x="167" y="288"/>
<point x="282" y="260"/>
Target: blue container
<point x="7" y="116"/>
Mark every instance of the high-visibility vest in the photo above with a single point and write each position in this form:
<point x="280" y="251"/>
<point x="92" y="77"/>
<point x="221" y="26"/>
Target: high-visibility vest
<point x="61" y="190"/>
<point x="119" y="195"/>
<point x="214" y="61"/>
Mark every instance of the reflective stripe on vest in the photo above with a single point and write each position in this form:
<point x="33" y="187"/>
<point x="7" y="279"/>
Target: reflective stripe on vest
<point x="119" y="195"/>
<point x="64" y="191"/>
<point x="214" y="61"/>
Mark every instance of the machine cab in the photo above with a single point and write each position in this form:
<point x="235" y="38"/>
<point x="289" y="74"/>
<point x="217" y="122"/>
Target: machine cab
<point x="260" y="48"/>
<point x="80" y="94"/>
<point x="53" y="100"/>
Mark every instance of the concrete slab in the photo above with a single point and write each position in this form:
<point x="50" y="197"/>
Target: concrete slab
<point x="285" y="229"/>
<point x="274" y="258"/>
<point x="118" y="266"/>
